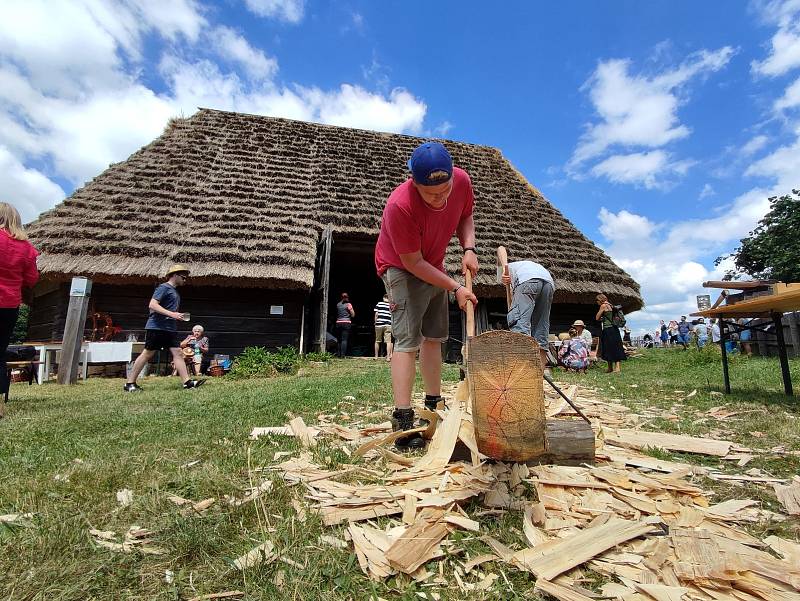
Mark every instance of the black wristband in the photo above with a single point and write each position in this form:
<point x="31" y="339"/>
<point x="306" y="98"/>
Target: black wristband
<point x="472" y="248"/>
<point x="456" y="289"/>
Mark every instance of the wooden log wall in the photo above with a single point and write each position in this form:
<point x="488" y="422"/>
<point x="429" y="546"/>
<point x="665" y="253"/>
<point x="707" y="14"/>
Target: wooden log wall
<point x="766" y="345"/>
<point x="233" y="318"/>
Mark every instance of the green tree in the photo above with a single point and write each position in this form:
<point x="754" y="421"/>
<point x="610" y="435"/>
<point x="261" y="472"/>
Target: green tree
<point x="20" y="332"/>
<point x="772" y="250"/>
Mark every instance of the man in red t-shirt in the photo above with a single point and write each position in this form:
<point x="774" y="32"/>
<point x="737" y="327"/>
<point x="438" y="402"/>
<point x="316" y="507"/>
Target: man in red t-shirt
<point x="418" y="222"/>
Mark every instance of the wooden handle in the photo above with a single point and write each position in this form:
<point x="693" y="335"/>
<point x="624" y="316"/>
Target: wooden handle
<point x="470" y="309"/>
<point x="502" y="261"/>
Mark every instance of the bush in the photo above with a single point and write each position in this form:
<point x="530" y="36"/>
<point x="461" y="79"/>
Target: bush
<point x="20" y="332"/>
<point x="258" y="362"/>
<point x="318" y="357"/>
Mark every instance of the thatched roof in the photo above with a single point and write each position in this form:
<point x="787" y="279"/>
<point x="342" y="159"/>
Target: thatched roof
<point x="242" y="200"/>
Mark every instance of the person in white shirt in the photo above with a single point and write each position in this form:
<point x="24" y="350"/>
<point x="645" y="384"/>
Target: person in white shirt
<point x="716" y="337"/>
<point x="532" y="290"/>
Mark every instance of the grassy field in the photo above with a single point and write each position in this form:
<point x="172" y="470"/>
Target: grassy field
<point x="64" y="452"/>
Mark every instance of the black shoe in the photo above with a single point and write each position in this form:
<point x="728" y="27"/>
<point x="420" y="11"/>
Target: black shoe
<point x="403" y="419"/>
<point x="193" y="384"/>
<point x="131" y="387"/>
<point x="432" y="403"/>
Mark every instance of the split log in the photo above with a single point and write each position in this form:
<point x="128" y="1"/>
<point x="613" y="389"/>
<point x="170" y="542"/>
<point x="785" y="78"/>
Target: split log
<point x="569" y="442"/>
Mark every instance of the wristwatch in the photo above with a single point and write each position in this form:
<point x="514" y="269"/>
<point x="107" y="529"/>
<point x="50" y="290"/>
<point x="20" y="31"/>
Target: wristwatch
<point x="472" y="248"/>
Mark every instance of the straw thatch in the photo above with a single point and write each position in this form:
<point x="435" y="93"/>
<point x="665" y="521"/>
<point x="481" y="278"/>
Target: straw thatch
<point x="242" y="200"/>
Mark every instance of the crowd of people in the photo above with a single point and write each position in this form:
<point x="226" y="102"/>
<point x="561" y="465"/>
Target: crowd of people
<point x="684" y="333"/>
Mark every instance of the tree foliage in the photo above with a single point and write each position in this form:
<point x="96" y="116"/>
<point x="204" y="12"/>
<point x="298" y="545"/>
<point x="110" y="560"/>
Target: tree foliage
<point x="20" y="332"/>
<point x="772" y="250"/>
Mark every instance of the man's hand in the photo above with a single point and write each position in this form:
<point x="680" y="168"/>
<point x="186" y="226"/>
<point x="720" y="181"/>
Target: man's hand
<point x="176" y="316"/>
<point x="506" y="279"/>
<point x="469" y="261"/>
<point x="464" y="296"/>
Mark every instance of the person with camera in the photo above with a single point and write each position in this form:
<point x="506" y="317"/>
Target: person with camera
<point x="419" y="219"/>
<point x="195" y="346"/>
<point x="611" y="320"/>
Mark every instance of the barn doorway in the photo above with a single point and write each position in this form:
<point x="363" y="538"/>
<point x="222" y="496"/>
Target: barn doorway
<point x="352" y="270"/>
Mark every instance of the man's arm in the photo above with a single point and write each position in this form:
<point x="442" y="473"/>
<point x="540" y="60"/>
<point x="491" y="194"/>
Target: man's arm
<point x="156" y="307"/>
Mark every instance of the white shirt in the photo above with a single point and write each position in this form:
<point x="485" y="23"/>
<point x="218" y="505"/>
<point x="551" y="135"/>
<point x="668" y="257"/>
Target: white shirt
<point x="522" y="271"/>
<point x="715" y="335"/>
<point x="587" y="336"/>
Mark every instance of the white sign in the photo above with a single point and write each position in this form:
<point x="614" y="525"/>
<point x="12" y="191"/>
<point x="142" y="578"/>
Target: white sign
<point x="276" y="309"/>
<point x="703" y="301"/>
<point x="80" y="287"/>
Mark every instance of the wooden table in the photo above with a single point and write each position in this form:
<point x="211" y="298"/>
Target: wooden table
<point x="91" y="352"/>
<point x="785" y="298"/>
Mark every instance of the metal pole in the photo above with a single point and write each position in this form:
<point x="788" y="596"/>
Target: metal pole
<point x="787" y="377"/>
<point x="723" y="338"/>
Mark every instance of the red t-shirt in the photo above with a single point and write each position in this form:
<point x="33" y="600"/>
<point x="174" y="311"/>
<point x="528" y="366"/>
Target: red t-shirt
<point x="17" y="269"/>
<point x="409" y="225"/>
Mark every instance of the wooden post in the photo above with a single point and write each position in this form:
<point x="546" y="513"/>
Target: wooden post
<point x="327" y="242"/>
<point x="73" y="330"/>
<point x="787" y="377"/>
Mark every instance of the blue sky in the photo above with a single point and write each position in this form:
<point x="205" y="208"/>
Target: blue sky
<point x="659" y="128"/>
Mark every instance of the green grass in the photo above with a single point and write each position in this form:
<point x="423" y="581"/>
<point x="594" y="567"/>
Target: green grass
<point x="64" y="452"/>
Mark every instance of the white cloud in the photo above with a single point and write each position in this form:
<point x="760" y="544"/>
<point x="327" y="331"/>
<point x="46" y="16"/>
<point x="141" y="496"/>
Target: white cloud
<point x="785" y="44"/>
<point x="790" y="98"/>
<point x="648" y="169"/>
<point x="79" y="103"/>
<point x="754" y="145"/>
<point x="285" y="10"/>
<point x="29" y="190"/>
<point x="233" y="46"/>
<point x="637" y="110"/>
<point x="708" y="190"/>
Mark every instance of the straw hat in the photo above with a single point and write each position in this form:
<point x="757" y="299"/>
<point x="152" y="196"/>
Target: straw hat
<point x="178" y="268"/>
<point x="563" y="336"/>
<point x="578" y="322"/>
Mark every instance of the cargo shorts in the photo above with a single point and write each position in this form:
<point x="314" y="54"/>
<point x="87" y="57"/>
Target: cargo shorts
<point x="420" y="310"/>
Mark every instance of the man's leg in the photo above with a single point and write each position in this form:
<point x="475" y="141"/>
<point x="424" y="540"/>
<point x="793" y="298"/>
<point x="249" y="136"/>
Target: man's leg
<point x="389" y="346"/>
<point x="138" y="365"/>
<point x="430" y="366"/>
<point x="540" y="319"/>
<point x="377" y="346"/>
<point x="180" y="363"/>
<point x="522" y="306"/>
<point x="403" y="371"/>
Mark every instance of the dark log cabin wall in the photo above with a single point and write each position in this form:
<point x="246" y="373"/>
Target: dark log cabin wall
<point x="233" y="318"/>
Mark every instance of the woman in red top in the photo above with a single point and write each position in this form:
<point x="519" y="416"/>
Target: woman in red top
<point x="17" y="271"/>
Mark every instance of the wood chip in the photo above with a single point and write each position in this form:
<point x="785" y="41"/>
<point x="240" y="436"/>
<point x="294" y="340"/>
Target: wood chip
<point x="789" y="496"/>
<point x="639" y="439"/>
<point x="300" y="430"/>
<point x="560" y="592"/>
<point x="125" y="497"/>
<point x="258" y="555"/>
<point x="226" y="595"/>
<point x="418" y="544"/>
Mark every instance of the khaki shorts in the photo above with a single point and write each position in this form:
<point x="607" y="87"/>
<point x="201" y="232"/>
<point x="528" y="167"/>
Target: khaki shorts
<point x="420" y="310"/>
<point x="383" y="334"/>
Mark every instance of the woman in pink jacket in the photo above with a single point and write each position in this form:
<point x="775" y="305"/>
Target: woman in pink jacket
<point x="17" y="271"/>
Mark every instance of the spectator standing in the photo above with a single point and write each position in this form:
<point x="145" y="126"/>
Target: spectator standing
<point x="383" y="327"/>
<point x="611" y="349"/>
<point x="18" y="273"/>
<point x="745" y="336"/>
<point x="673" y="332"/>
<point x="663" y="333"/>
<point x="684" y="329"/>
<point x="161" y="329"/>
<point x="701" y="333"/>
<point x="344" y="322"/>
<point x="716" y="336"/>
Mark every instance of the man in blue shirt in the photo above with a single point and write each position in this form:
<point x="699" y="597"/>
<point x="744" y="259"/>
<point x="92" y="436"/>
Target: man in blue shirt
<point x="161" y="329"/>
<point x="684" y="327"/>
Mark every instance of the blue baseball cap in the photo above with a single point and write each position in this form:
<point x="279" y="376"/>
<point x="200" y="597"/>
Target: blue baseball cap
<point x="431" y="164"/>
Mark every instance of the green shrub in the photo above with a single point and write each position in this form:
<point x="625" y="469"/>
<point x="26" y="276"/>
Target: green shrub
<point x="318" y="357"/>
<point x="258" y="362"/>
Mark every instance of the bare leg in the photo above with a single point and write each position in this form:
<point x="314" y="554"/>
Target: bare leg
<point x="617" y="366"/>
<point x="389" y="347"/>
<point x="377" y="348"/>
<point x="138" y="365"/>
<point x="430" y="366"/>
<point x="180" y="364"/>
<point x="404" y="369"/>
<point x="197" y="369"/>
